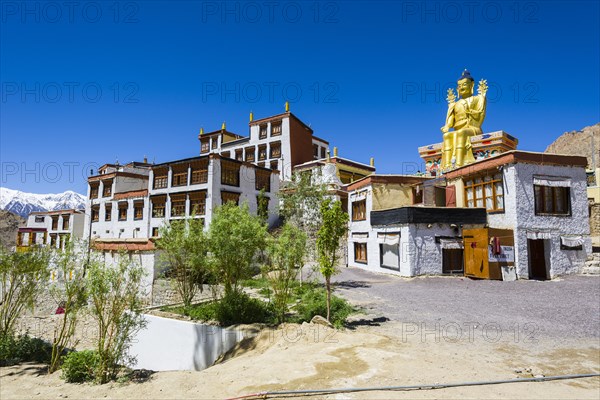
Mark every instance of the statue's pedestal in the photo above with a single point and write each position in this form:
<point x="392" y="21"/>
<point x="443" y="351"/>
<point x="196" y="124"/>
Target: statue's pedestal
<point x="484" y="146"/>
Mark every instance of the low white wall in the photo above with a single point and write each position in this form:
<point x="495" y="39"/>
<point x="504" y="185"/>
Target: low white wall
<point x="171" y="345"/>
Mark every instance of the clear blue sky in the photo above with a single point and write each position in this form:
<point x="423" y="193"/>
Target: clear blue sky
<point x="86" y="83"/>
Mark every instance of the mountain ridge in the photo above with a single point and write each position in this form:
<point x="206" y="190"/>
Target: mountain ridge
<point x="23" y="203"/>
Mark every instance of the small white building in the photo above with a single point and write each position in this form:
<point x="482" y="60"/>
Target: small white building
<point x="51" y="228"/>
<point x="518" y="215"/>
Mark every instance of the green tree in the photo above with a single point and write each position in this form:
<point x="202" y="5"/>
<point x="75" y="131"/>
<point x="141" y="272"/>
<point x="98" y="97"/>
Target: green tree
<point x="236" y="237"/>
<point x="69" y="292"/>
<point x="115" y="304"/>
<point x="300" y="201"/>
<point x="184" y="248"/>
<point x="23" y="275"/>
<point x="334" y="225"/>
<point x="286" y="256"/>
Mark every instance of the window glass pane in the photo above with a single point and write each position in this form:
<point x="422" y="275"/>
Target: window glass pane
<point x="478" y="180"/>
<point x="500" y="202"/>
<point x="498" y="177"/>
<point x="487" y="178"/>
<point x="539" y="206"/>
<point x="469" y="193"/>
<point x="489" y="204"/>
<point x="480" y="202"/>
<point x="547" y="199"/>
<point x="479" y="192"/>
<point x="488" y="190"/>
<point x="499" y="188"/>
<point x="560" y="200"/>
<point x="470" y="203"/>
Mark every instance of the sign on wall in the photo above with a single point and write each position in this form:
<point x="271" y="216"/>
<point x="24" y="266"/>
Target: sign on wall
<point x="507" y="254"/>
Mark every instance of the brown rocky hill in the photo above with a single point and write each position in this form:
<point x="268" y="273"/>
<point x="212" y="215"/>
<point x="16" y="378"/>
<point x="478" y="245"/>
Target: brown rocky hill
<point x="579" y="143"/>
<point x="9" y="225"/>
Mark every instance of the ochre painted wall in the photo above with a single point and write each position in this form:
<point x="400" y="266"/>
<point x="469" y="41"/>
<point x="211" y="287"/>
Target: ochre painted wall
<point x="386" y="196"/>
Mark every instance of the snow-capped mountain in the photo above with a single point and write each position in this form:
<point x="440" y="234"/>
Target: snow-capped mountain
<point x="22" y="203"/>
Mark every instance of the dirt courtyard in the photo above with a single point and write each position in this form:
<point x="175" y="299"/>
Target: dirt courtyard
<point x="412" y="343"/>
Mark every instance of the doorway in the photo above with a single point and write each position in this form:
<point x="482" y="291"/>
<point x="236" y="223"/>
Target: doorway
<point x="537" y="259"/>
<point x="452" y="261"/>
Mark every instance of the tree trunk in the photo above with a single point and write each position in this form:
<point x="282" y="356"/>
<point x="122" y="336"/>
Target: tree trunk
<point x="328" y="284"/>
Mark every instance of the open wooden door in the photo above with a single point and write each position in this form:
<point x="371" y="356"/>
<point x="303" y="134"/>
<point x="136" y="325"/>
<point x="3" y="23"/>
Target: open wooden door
<point x="476" y="253"/>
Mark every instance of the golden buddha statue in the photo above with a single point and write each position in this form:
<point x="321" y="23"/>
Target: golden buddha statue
<point x="465" y="116"/>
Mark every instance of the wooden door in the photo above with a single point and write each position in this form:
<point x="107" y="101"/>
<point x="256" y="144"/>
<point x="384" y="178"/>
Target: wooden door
<point x="476" y="253"/>
<point x="537" y="259"/>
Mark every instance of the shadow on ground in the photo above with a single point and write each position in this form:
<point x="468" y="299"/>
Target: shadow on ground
<point x="366" y="322"/>
<point x="351" y="284"/>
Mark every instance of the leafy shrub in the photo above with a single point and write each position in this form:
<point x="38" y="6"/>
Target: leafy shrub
<point x="202" y="312"/>
<point x="23" y="348"/>
<point x="80" y="366"/>
<point x="239" y="308"/>
<point x="314" y="302"/>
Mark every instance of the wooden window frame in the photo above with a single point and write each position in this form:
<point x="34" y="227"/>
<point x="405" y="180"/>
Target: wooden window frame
<point x="178" y="206"/>
<point x="65" y="222"/>
<point x="120" y="207"/>
<point x="95" y="215"/>
<point x="155" y="231"/>
<point x="198" y="203"/>
<point x="199" y="173"/>
<point x="160" y="181"/>
<point x="159" y="206"/>
<point x="250" y="154"/>
<point x="360" y="249"/>
<point x="55" y="222"/>
<point x="39" y="219"/>
<point x="315" y="151"/>
<point x="138" y="210"/>
<point x="262" y="131"/>
<point x="495" y="196"/>
<point x="204" y="146"/>
<point x="230" y="173"/>
<point x="232" y="196"/>
<point x="566" y="194"/>
<point x="179" y="178"/>
<point x="107" y="189"/>
<point x="94" y="191"/>
<point x="276" y="129"/>
<point x="262" y="152"/>
<point x="262" y="180"/>
<point x="275" y="150"/>
<point x="359" y="210"/>
<point x="107" y="212"/>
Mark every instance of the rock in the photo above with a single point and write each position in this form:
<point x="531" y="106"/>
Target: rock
<point x="318" y="320"/>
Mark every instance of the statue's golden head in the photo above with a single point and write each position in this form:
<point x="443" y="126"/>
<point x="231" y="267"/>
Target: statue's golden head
<point x="466" y="83"/>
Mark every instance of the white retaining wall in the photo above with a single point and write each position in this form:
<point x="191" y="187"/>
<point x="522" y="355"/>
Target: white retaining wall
<point x="172" y="345"/>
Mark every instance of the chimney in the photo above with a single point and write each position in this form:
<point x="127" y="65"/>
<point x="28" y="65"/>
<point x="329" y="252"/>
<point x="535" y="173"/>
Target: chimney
<point x="372" y="162"/>
<point x="335" y="152"/>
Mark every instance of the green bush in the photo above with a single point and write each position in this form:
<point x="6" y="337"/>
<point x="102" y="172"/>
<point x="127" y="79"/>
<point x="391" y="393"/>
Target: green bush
<point x="314" y="302"/>
<point x="234" y="308"/>
<point x="23" y="348"/>
<point x="202" y="312"/>
<point x="80" y="366"/>
<point x="239" y="308"/>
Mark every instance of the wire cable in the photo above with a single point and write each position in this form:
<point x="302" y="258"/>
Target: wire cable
<point x="265" y="395"/>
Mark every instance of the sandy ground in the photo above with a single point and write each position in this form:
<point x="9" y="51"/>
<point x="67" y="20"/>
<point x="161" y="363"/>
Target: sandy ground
<point x="380" y="351"/>
<point x="312" y="357"/>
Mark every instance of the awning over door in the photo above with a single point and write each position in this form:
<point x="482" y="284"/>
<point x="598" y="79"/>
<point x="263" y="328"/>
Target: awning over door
<point x="388" y="238"/>
<point x="571" y="241"/>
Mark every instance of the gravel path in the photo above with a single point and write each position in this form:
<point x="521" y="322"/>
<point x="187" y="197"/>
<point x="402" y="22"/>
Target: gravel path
<point x="561" y="310"/>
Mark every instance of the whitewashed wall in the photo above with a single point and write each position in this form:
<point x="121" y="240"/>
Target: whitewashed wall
<point x="561" y="261"/>
<point x="172" y="345"/>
